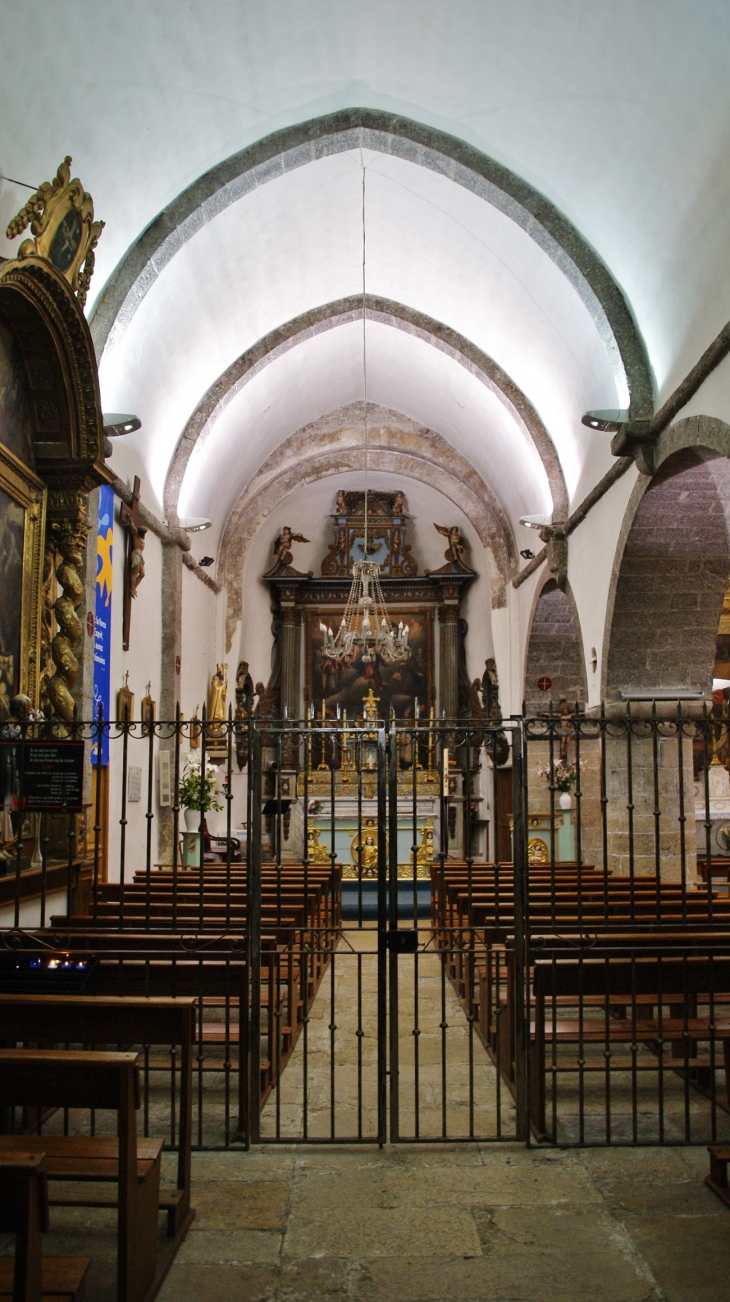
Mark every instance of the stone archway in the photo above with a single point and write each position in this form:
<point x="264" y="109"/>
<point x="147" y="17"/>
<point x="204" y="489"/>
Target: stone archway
<point x="554" y="652"/>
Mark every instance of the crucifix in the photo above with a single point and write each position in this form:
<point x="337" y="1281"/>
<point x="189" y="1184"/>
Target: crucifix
<point x="133" y="557"/>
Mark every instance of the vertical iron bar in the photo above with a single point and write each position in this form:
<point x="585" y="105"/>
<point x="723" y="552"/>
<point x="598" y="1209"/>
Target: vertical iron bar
<point x="382" y="941"/>
<point x="149" y="817"/>
<point x="123" y="819"/>
<point x="521" y="923"/>
<point x="253" y="933"/>
<point x="393" y="928"/>
<point x="97" y="822"/>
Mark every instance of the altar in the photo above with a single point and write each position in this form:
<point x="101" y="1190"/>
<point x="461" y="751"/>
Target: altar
<point x="358" y="853"/>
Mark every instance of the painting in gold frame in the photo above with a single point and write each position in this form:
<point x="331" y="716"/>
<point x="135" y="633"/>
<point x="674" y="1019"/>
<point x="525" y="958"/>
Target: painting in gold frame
<point x="396" y="685"/>
<point x="22" y="530"/>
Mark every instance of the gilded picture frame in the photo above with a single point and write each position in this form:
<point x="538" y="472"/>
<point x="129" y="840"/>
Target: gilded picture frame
<point x="22" y="534"/>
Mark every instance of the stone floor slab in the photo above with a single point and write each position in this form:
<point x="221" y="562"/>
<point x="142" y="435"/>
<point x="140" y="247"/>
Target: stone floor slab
<point x="359" y="1232"/>
<point x="193" y="1283"/>
<point x="232" y="1247"/>
<point x="688" y="1255"/>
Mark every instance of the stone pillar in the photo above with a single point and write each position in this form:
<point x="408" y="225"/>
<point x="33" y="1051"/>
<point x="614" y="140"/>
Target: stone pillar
<point x="643" y="797"/>
<point x="171" y="595"/>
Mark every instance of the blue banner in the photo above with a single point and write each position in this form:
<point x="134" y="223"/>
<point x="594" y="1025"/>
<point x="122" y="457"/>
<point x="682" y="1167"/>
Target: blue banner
<point x="103" y="615"/>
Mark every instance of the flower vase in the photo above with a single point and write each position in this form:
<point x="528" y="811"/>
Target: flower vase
<point x="565" y="800"/>
<point x="192" y="819"/>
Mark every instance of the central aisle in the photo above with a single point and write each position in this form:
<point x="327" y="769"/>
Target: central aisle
<point x="340" y="1057"/>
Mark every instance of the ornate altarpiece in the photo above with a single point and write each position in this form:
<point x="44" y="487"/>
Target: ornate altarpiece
<point x="426" y="602"/>
<point x="356" y="692"/>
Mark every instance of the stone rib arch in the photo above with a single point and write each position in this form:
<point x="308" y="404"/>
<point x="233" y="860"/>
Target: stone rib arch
<point x="383" y="132"/>
<point x="398" y="316"/>
<point x="671" y="567"/>
<point x="399" y="447"/>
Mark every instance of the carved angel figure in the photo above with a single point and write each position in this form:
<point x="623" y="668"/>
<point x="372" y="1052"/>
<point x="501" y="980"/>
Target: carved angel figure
<point x="456" y="548"/>
<point x="282" y="545"/>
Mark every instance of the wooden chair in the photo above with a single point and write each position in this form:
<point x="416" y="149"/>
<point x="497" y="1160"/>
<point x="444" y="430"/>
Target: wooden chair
<point x="41" y="1078"/>
<point x="30" y="1277"/>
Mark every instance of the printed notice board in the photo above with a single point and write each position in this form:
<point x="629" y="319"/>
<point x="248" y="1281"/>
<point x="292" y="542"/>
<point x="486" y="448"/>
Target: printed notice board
<point x="47" y="775"/>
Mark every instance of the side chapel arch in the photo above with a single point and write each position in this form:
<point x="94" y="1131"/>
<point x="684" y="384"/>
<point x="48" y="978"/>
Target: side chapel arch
<point x="554" y="652"/>
<point x="671" y="571"/>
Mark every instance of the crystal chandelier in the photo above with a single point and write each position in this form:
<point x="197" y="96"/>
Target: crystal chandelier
<point x="366" y="625"/>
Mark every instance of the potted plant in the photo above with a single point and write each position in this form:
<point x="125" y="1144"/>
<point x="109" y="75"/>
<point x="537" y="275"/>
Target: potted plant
<point x="197" y="791"/>
<point x="562" y="778"/>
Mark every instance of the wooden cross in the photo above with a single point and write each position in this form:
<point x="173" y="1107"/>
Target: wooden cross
<point x="133" y="557"/>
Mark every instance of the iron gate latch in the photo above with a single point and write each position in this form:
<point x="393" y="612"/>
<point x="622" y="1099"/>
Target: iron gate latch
<point x="402" y="941"/>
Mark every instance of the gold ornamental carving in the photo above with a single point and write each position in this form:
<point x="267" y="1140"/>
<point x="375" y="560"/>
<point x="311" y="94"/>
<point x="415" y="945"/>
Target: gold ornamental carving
<point x="68" y="541"/>
<point x="28" y="496"/>
<point x="316" y="853"/>
<point x="61" y="219"/>
<point x="365" y="855"/>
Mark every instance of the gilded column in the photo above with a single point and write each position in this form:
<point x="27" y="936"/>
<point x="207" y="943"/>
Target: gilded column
<point x="66" y="534"/>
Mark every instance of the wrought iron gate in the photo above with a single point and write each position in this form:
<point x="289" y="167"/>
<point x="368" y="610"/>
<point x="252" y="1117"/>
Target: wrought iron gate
<point x="379" y="1013"/>
<point x="413" y="934"/>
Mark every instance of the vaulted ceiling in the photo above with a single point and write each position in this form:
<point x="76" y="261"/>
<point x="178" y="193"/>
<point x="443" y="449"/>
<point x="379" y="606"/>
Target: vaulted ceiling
<point x="546" y="212"/>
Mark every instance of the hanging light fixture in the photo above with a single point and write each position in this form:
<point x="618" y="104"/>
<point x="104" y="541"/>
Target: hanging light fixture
<point x="365" y="624"/>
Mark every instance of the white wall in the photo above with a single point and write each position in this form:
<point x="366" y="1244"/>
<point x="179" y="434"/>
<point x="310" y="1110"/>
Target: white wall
<point x="143" y="663"/>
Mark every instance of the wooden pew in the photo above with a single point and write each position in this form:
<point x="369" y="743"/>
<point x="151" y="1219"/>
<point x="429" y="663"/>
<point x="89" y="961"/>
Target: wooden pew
<point x="631" y="993"/>
<point x="29" y="1276"/>
<point x="58" y="1079"/>
<point x="95" y="1020"/>
<point x="717" y="1179"/>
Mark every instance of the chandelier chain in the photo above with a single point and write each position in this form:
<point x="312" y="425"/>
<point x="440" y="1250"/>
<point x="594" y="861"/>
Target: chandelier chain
<point x="364" y="362"/>
<point x="365" y="627"/>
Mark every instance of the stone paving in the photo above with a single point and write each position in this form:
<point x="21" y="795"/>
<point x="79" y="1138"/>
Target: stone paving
<point x="477" y="1222"/>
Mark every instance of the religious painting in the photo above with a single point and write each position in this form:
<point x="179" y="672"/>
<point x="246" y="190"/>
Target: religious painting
<point x="346" y="684"/>
<point x="22" y="521"/>
<point x="16" y="427"/>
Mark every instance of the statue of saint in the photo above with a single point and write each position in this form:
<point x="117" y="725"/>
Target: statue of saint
<point x="217" y="697"/>
<point x="340" y="507"/>
<point x="368" y="857"/>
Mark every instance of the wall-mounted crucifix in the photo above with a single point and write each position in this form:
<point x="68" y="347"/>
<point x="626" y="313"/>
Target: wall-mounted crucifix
<point x="133" y="557"/>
